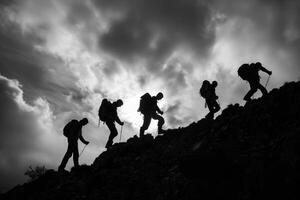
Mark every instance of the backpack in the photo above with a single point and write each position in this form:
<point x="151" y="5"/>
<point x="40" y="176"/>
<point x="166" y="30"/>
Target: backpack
<point x="205" y="89"/>
<point x="70" y="128"/>
<point x="248" y="72"/>
<point x="146" y="103"/>
<point x="104" y="110"/>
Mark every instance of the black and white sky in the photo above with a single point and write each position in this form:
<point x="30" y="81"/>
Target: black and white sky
<point x="59" y="58"/>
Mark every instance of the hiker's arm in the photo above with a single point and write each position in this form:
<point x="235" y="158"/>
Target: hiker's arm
<point x="119" y="121"/>
<point x="159" y="110"/>
<point x="82" y="139"/>
<point x="264" y="70"/>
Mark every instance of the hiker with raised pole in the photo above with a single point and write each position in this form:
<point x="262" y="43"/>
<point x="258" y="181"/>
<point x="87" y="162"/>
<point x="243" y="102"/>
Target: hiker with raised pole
<point x="109" y="115"/>
<point x="149" y="108"/>
<point x="208" y="92"/>
<point x="250" y="73"/>
<point x="73" y="132"/>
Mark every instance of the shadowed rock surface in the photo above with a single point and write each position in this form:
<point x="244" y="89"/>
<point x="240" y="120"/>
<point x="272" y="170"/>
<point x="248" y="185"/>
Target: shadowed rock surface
<point x="249" y="152"/>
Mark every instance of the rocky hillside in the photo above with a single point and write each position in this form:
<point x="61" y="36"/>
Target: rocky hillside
<point x="249" y="152"/>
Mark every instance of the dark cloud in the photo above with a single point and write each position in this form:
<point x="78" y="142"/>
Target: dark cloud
<point x="78" y="12"/>
<point x="127" y="39"/>
<point x="172" y="116"/>
<point x="176" y="74"/>
<point x="40" y="74"/>
<point x="151" y="30"/>
<point x="275" y="23"/>
<point x="17" y="138"/>
<point x="4" y="3"/>
<point x="142" y="80"/>
<point x="18" y="59"/>
<point x="81" y="19"/>
<point x="173" y="121"/>
<point x="17" y="54"/>
<point x="173" y="108"/>
<point x="175" y="78"/>
<point x="110" y="68"/>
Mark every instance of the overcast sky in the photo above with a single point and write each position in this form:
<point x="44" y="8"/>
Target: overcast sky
<point x="59" y="58"/>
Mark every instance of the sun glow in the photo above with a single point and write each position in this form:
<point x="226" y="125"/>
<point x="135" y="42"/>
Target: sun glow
<point x="129" y="113"/>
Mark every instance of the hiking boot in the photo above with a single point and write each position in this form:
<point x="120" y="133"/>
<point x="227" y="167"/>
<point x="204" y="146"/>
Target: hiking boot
<point x="108" y="144"/>
<point x="75" y="168"/>
<point x="247" y="99"/>
<point x="61" y="170"/>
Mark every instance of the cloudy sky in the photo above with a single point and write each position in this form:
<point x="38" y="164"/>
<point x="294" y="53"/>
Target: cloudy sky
<point x="59" y="58"/>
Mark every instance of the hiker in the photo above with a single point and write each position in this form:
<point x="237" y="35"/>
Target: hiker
<point x="208" y="92"/>
<point x="148" y="107"/>
<point x="250" y="73"/>
<point x="73" y="132"/>
<point x="109" y="115"/>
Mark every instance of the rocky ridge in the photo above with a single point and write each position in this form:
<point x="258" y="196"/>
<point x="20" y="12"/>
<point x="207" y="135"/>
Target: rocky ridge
<point x="248" y="152"/>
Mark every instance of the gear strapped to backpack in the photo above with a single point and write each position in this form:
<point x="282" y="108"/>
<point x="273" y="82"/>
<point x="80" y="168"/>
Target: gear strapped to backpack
<point x="70" y="128"/>
<point x="104" y="110"/>
<point x="204" y="90"/>
<point x="145" y="103"/>
<point x="248" y="72"/>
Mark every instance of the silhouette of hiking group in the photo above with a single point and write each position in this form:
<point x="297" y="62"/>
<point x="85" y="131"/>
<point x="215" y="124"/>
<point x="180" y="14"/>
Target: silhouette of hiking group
<point x="149" y="109"/>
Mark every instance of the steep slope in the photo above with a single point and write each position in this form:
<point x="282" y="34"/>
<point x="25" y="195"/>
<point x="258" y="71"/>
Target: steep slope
<point x="249" y="152"/>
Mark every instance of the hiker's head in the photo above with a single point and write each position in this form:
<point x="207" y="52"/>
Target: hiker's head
<point x="119" y="103"/>
<point x="84" y="121"/>
<point x="159" y="96"/>
<point x="258" y="64"/>
<point x="214" y="83"/>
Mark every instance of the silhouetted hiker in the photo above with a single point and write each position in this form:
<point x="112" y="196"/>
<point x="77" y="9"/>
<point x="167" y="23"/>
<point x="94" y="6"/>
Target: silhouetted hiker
<point x="250" y="73"/>
<point x="108" y="114"/>
<point x="208" y="92"/>
<point x="73" y="132"/>
<point x="148" y="107"/>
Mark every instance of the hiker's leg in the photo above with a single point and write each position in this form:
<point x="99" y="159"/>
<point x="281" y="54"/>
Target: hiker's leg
<point x="113" y="130"/>
<point x="146" y="123"/>
<point x="262" y="89"/>
<point x="66" y="157"/>
<point x="216" y="106"/>
<point x="75" y="154"/>
<point x="253" y="89"/>
<point x="160" y="119"/>
<point x="210" y="105"/>
<point x="113" y="133"/>
<point x="210" y="115"/>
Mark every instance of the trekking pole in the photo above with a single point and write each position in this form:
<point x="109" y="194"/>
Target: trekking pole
<point x="82" y="151"/>
<point x="267" y="81"/>
<point x="121" y="133"/>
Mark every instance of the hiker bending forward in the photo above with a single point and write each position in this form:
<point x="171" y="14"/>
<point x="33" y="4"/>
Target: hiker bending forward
<point x="208" y="92"/>
<point x="74" y="132"/>
<point x="150" y="109"/>
<point x="250" y="74"/>
<point x="112" y="117"/>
